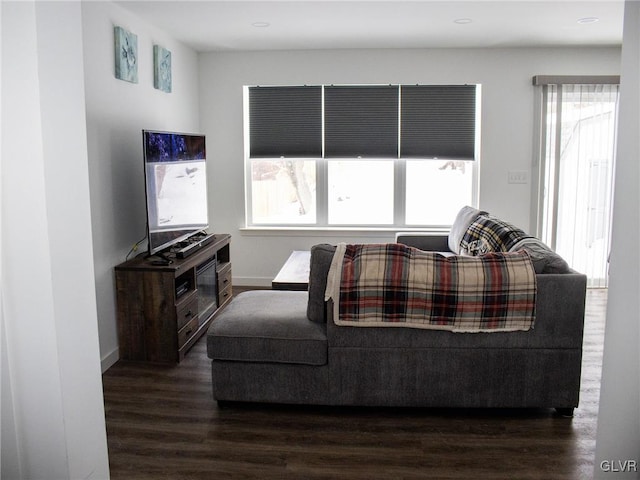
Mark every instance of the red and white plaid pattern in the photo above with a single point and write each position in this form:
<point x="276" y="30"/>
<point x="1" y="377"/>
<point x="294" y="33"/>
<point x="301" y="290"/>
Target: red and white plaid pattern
<point x="400" y="286"/>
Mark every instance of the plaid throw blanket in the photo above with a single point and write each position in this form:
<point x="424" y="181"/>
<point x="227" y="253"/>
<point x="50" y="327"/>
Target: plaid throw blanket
<point x="392" y="285"/>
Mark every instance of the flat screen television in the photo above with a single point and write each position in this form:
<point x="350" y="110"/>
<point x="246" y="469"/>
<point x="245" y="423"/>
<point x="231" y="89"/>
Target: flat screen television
<point x="176" y="187"/>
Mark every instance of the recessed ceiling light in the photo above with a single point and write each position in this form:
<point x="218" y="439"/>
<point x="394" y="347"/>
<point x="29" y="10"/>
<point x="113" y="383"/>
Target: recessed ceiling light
<point x="260" y="24"/>
<point x="462" y="21"/>
<point x="586" y="20"/>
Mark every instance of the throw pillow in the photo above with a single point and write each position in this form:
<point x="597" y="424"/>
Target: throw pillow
<point x="465" y="217"/>
<point x="489" y="234"/>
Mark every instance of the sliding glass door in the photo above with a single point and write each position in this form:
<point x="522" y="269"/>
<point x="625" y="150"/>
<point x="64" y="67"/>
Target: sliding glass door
<point x="578" y="132"/>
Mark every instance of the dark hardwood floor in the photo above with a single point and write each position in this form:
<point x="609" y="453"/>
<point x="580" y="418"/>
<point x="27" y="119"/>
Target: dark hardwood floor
<point x="162" y="423"/>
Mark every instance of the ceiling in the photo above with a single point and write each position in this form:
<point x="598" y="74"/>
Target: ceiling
<point x="239" y="25"/>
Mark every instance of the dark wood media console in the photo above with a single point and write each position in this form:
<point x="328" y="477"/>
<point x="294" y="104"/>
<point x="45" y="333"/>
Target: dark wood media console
<point x="164" y="309"/>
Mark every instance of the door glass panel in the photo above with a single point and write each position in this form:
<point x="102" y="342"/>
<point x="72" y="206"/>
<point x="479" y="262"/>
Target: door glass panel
<point x="581" y="120"/>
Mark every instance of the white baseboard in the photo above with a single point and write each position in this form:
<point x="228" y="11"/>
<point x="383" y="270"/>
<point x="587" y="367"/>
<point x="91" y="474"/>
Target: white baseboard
<point x="110" y="359"/>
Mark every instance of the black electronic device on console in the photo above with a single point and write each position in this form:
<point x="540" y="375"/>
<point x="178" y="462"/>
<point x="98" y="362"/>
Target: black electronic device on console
<point x="182" y="288"/>
<point x="193" y="244"/>
<point x="161" y="263"/>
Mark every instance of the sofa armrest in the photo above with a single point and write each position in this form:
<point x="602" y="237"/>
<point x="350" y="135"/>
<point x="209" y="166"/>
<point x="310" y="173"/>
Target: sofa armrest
<point x="433" y="242"/>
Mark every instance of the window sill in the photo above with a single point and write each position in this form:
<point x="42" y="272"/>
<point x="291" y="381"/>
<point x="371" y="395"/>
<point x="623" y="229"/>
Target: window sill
<point x="382" y="232"/>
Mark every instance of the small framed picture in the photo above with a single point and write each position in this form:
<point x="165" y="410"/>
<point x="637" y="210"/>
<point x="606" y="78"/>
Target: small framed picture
<point x="161" y="68"/>
<point x="126" y="50"/>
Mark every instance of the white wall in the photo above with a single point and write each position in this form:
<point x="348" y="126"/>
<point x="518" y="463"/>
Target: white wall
<point x="52" y="405"/>
<point x="507" y="124"/>
<point x="117" y="111"/>
<point x="618" y="438"/>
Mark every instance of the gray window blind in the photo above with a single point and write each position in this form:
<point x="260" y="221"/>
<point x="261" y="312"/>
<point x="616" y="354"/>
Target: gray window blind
<point x="438" y="121"/>
<point x="285" y="121"/>
<point x="361" y="121"/>
<point x="410" y="121"/>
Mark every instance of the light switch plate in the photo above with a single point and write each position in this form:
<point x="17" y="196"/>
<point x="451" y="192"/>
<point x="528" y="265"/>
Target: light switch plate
<point x="518" y="176"/>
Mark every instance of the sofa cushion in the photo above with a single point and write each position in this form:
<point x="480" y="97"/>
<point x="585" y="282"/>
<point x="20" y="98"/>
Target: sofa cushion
<point x="465" y="217"/>
<point x="489" y="234"/>
<point x="267" y="326"/>
<point x="557" y="325"/>
<point x="321" y="256"/>
<point x="429" y="242"/>
<point x="544" y="259"/>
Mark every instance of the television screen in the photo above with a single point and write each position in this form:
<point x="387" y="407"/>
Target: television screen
<point x="176" y="187"/>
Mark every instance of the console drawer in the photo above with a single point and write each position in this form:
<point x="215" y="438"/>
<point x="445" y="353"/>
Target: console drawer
<point x="225" y="295"/>
<point x="224" y="279"/>
<point x="186" y="313"/>
<point x="187" y="331"/>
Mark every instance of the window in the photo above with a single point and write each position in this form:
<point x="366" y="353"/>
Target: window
<point x="360" y="192"/>
<point x="379" y="156"/>
<point x="446" y="184"/>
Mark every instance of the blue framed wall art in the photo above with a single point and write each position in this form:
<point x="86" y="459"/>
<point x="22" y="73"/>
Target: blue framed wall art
<point x="161" y="68"/>
<point x="126" y="55"/>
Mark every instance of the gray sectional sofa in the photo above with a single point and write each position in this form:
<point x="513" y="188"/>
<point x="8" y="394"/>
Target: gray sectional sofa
<point x="283" y="346"/>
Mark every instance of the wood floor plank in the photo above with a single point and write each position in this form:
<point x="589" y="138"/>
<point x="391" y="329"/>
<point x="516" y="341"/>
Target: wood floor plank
<point x="162" y="423"/>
